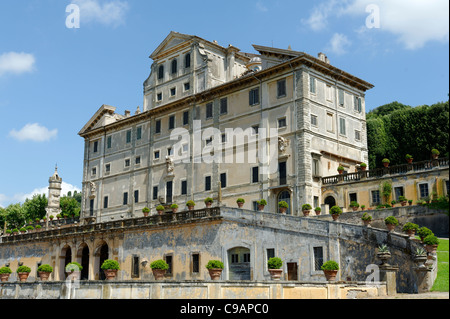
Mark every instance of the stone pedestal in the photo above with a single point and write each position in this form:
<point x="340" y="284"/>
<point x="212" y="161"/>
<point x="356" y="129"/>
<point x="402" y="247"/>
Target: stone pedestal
<point x="389" y="275"/>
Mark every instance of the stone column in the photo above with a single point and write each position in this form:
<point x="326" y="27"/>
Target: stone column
<point x="388" y="274"/>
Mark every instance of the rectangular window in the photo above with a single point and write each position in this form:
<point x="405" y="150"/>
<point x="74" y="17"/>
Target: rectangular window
<point x="186" y="118"/>
<point x="329" y="93"/>
<point x="136" y="196"/>
<point x="316" y="168"/>
<point x="187" y="86"/>
<point x="109" y="142"/>
<point x="108" y="168"/>
<point x="330" y="122"/>
<point x="155" y="192"/>
<point x="207" y="183"/>
<point x="234" y="258"/>
<point x="376" y="198"/>
<point x="183" y="187"/>
<point x="135" y="267"/>
<point x="341" y="97"/>
<point x="125" y="198"/>
<point x="173" y="91"/>
<point x="223" y="180"/>
<point x="255" y="205"/>
<point x="318" y="258"/>
<point x="195" y="263"/>
<point x="209" y="111"/>
<point x="127" y="163"/>
<point x="342" y="129"/>
<point x="128" y="136"/>
<point x="157" y="155"/>
<point x="247" y="258"/>
<point x="255" y="174"/>
<point x="253" y="97"/>
<point x="313" y="120"/>
<point x="94" y="171"/>
<point x="423" y="189"/>
<point x="358" y="104"/>
<point x="169" y="192"/>
<point x="282" y="173"/>
<point x="282" y="123"/>
<point x="353" y="197"/>
<point x="357" y="135"/>
<point x="159" y="97"/>
<point x="270" y="253"/>
<point x="158" y="126"/>
<point x="95" y="146"/>
<point x="172" y="122"/>
<point x="169" y="262"/>
<point x="138" y="133"/>
<point x="312" y="85"/>
<point x="91" y="207"/>
<point x="138" y="160"/>
<point x="105" y="202"/>
<point x="223" y="106"/>
<point x="281" y="88"/>
<point x="398" y="191"/>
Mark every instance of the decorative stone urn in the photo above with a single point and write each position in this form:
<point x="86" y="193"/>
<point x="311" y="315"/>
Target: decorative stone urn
<point x="23" y="276"/>
<point x="44" y="275"/>
<point x="384" y="257"/>
<point x="276" y="274"/>
<point x="215" y="273"/>
<point x="159" y="274"/>
<point x="110" y="273"/>
<point x="431" y="248"/>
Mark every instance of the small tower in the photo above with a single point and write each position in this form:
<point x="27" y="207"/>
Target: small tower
<point x="54" y="194"/>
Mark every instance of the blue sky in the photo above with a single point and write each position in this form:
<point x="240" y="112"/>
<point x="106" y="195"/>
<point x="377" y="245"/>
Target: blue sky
<point x="53" y="79"/>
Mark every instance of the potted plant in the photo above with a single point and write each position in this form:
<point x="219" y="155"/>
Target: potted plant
<point x="423" y="232"/>
<point x="174" y="208"/>
<point x="208" y="202"/>
<point x="306" y="208"/>
<point x="391" y="222"/>
<point x="431" y="243"/>
<point x="274" y="265"/>
<point x="335" y="212"/>
<point x="23" y="272"/>
<point x="330" y="269"/>
<point x="409" y="158"/>
<point x="363" y="166"/>
<point x="384" y="254"/>
<point x="159" y="268"/>
<point x="410" y="201"/>
<point x="410" y="229"/>
<point x="160" y="209"/>
<point x="385" y="162"/>
<point x="190" y="204"/>
<point x="261" y="204"/>
<point x="4" y="273"/>
<point x="110" y="267"/>
<point x="30" y="228"/>
<point x="44" y="272"/>
<point x="363" y="207"/>
<point x="393" y="202"/>
<point x="283" y="206"/>
<point x="23" y="230"/>
<point x="38" y="228"/>
<point x="240" y="202"/>
<point x="58" y="216"/>
<point x="317" y="210"/>
<point x="354" y="205"/>
<point x="73" y="270"/>
<point x="340" y="169"/>
<point x="215" y="268"/>
<point x="367" y="219"/>
<point x="15" y="231"/>
<point x="146" y="211"/>
<point x="435" y="153"/>
<point x="402" y="200"/>
<point x="9" y="232"/>
<point x="420" y="257"/>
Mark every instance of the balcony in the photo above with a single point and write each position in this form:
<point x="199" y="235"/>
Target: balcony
<point x="386" y="171"/>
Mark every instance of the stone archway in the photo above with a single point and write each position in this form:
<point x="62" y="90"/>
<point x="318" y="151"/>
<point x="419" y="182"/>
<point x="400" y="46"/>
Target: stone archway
<point x="64" y="259"/>
<point x="330" y="201"/>
<point x="284" y="196"/>
<point x="239" y="263"/>
<point x="83" y="256"/>
<point x="101" y="254"/>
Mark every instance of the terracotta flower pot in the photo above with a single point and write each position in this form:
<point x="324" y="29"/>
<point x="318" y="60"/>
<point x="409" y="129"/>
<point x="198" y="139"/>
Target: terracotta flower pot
<point x="208" y="205"/>
<point x="367" y="222"/>
<point x="431" y="248"/>
<point x="44" y="275"/>
<point x="390" y="227"/>
<point x="335" y="217"/>
<point x="240" y="205"/>
<point x="261" y="208"/>
<point x="354" y="209"/>
<point x="145" y="214"/>
<point x="110" y="274"/>
<point x="306" y="213"/>
<point x="4" y="277"/>
<point x="330" y="275"/>
<point x="317" y="212"/>
<point x="411" y="233"/>
<point x="283" y="210"/>
<point x="174" y="210"/>
<point x="159" y="274"/>
<point x="386" y="164"/>
<point x="403" y="203"/>
<point x="160" y="212"/>
<point x="191" y="207"/>
<point x="276" y="274"/>
<point x="23" y="276"/>
<point x="215" y="273"/>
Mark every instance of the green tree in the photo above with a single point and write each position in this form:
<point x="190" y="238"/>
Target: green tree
<point x="15" y="216"/>
<point x="35" y="207"/>
<point x="69" y="206"/>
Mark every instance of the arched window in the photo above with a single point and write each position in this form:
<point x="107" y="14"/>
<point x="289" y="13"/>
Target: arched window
<point x="330" y="201"/>
<point x="187" y="60"/>
<point x="161" y="72"/>
<point x="174" y="66"/>
<point x="285" y="196"/>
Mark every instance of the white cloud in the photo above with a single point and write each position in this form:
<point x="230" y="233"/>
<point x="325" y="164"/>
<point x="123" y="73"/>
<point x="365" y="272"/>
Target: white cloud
<point x="413" y="22"/>
<point x="261" y="7"/>
<point x="339" y="43"/>
<point x="110" y="13"/>
<point x="34" y="132"/>
<point x="16" y="63"/>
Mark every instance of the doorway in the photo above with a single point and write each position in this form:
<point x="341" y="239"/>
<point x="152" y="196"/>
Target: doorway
<point x="104" y="255"/>
<point x="239" y="263"/>
<point x="330" y="201"/>
<point x="292" y="271"/>
<point x="85" y="263"/>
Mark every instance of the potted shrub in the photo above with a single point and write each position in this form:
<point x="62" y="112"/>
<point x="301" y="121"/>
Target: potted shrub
<point x="23" y="272"/>
<point x="410" y="229"/>
<point x="367" y="219"/>
<point x="393" y="202"/>
<point x="208" y="202"/>
<point x="215" y="268"/>
<point x="190" y="204"/>
<point x="30" y="228"/>
<point x="51" y="217"/>
<point x="409" y="158"/>
<point x="435" y="153"/>
<point x="340" y="169"/>
<point x="23" y="230"/>
<point x="330" y="269"/>
<point x="386" y="162"/>
<point x="4" y="273"/>
<point x="363" y="166"/>
<point x="160" y="209"/>
<point x="410" y="201"/>
<point x="283" y="206"/>
<point x="9" y="232"/>
<point x="274" y="265"/>
<point x="38" y="228"/>
<point x="261" y="204"/>
<point x="402" y="200"/>
<point x="240" y="202"/>
<point x="58" y="216"/>
<point x="391" y="222"/>
<point x="44" y="272"/>
<point x="174" y="208"/>
<point x="317" y="210"/>
<point x="306" y="208"/>
<point x="146" y="211"/>
<point x="15" y="231"/>
<point x="335" y="212"/>
<point x="431" y="243"/>
<point x="423" y="232"/>
<point x="363" y="207"/>
<point x="354" y="205"/>
<point x="73" y="270"/>
<point x="110" y="267"/>
<point x="159" y="268"/>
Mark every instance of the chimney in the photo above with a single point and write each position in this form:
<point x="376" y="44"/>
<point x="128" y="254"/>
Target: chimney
<point x="127" y="113"/>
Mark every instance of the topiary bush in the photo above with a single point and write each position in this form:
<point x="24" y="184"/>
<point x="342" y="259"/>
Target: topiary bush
<point x="23" y="269"/>
<point x="274" y="263"/>
<point x="391" y="220"/>
<point x="410" y="226"/>
<point x="45" y="268"/>
<point x="283" y="204"/>
<point x="335" y="210"/>
<point x="110" y="264"/>
<point x="306" y="207"/>
<point x="159" y="264"/>
<point x="5" y="270"/>
<point x="73" y="266"/>
<point x="424" y="232"/>
<point x="330" y="265"/>
<point x="431" y="240"/>
<point x="214" y="264"/>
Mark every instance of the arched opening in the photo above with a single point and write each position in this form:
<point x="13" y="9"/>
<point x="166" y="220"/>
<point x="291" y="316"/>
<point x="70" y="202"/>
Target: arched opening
<point x="239" y="263"/>
<point x="64" y="259"/>
<point x="286" y="197"/>
<point x="101" y="254"/>
<point x="83" y="259"/>
<point x="330" y="201"/>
